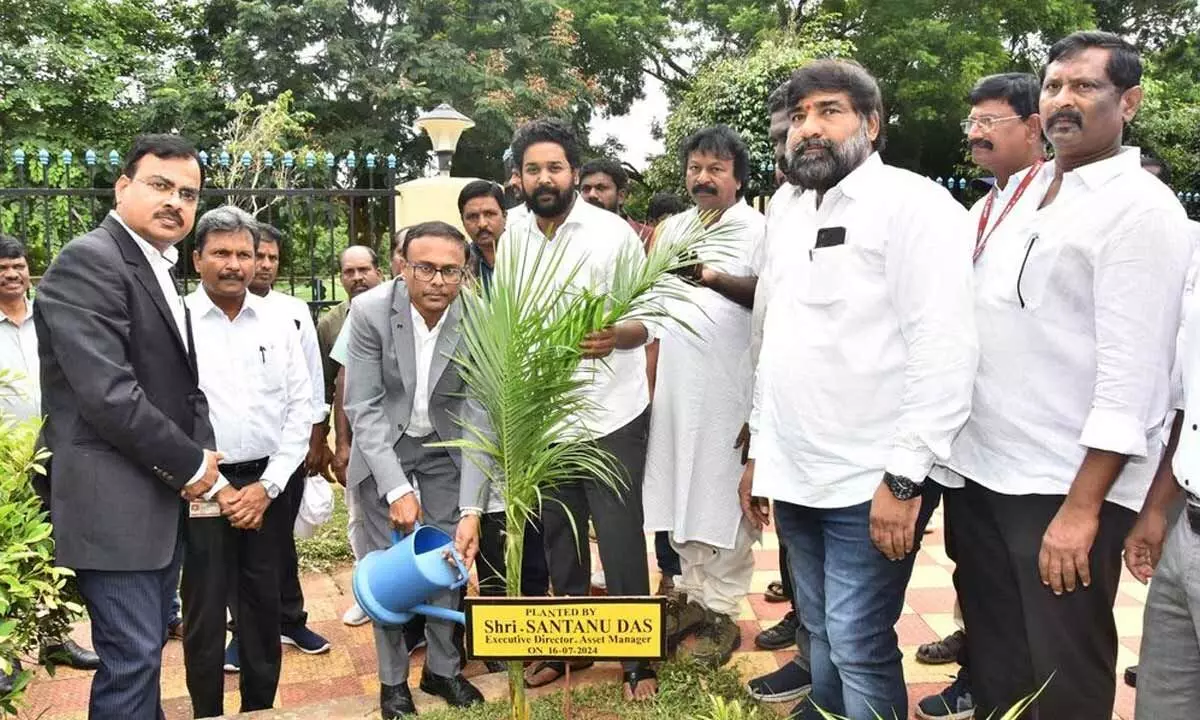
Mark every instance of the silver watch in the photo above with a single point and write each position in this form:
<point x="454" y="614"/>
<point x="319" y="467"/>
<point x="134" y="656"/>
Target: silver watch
<point x="271" y="488"/>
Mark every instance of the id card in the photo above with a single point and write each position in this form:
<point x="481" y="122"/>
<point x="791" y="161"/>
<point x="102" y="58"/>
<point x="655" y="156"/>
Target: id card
<point x="204" y="509"/>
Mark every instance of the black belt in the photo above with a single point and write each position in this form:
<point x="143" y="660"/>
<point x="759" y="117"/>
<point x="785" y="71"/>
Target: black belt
<point x="1193" y="516"/>
<point x="243" y="469"/>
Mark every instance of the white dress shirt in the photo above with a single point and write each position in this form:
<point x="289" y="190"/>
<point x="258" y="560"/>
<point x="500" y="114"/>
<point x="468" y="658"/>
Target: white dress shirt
<point x="297" y="312"/>
<point x="419" y="423"/>
<point x="869" y="346"/>
<point x="161" y="263"/>
<point x="258" y="390"/>
<point x="1078" y="306"/>
<point x="19" y="354"/>
<point x="594" y="238"/>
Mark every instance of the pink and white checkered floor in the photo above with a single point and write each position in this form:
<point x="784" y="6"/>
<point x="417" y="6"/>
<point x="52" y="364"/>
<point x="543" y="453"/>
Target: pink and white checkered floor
<point x="344" y="681"/>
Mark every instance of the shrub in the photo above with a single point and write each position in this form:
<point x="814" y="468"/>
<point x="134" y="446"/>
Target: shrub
<point x="33" y="606"/>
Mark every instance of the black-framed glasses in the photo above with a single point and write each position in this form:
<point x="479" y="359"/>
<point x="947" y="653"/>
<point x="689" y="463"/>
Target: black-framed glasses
<point x="985" y="123"/>
<point x="452" y="275"/>
<point x="187" y="195"/>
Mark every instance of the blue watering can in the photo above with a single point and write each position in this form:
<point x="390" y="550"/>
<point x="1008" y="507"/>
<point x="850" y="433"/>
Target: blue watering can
<point x="392" y="585"/>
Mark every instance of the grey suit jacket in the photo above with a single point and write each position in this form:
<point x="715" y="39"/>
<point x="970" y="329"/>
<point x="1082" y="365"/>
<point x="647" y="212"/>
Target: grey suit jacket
<point x="125" y="418"/>
<point x="381" y="371"/>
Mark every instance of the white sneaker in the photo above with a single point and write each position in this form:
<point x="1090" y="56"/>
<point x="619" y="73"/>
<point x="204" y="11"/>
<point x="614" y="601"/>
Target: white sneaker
<point x="355" y="616"/>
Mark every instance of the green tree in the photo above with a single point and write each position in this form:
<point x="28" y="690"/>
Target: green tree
<point x="75" y="75"/>
<point x="733" y="91"/>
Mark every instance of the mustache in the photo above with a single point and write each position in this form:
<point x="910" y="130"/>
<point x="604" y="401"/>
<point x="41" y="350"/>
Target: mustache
<point x="981" y="143"/>
<point x="170" y="215"/>
<point x="704" y="189"/>
<point x="1074" y="116"/>
<point x="231" y="275"/>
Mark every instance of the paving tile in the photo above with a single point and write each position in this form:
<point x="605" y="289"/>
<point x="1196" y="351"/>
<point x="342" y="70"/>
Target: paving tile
<point x="343" y="682"/>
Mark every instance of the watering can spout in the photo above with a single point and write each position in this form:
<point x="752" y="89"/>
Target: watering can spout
<point x="393" y="584"/>
<point x="441" y="613"/>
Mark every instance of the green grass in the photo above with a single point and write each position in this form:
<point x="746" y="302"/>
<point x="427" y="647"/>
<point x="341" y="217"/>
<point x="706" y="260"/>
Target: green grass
<point x="686" y="690"/>
<point x="329" y="547"/>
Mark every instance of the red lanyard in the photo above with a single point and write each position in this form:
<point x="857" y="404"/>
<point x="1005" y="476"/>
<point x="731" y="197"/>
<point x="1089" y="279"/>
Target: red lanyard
<point x="980" y="238"/>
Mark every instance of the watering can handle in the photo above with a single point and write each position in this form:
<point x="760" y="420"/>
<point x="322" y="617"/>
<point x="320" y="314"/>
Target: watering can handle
<point x="463" y="573"/>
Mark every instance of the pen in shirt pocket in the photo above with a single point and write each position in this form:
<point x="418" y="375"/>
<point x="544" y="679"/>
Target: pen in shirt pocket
<point x="262" y="352"/>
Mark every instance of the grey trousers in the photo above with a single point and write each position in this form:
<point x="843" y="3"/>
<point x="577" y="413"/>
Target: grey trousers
<point x="1169" y="662"/>
<point x="436" y="477"/>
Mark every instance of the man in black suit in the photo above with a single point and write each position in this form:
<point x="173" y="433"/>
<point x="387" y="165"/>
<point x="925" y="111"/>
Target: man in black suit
<point x="125" y="419"/>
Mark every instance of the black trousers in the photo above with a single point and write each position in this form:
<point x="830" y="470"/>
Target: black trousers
<point x="535" y="578"/>
<point x="224" y="565"/>
<point x="291" y="597"/>
<point x="1021" y="632"/>
<point x="618" y="518"/>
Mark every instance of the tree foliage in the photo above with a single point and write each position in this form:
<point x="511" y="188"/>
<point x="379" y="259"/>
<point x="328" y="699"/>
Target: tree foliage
<point x="733" y="91"/>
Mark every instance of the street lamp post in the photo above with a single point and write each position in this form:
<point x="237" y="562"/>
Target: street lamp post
<point x="444" y="126"/>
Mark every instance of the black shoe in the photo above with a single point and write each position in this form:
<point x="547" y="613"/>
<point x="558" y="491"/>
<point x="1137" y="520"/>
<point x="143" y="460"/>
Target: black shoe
<point x="1131" y="676"/>
<point x="395" y="701"/>
<point x="780" y="635"/>
<point x="8" y="680"/>
<point x="456" y="691"/>
<point x="71" y="654"/>
<point x="495" y="666"/>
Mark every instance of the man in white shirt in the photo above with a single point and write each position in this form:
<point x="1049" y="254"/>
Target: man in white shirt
<point x="1078" y="308"/>
<point x="548" y="156"/>
<point x="701" y="399"/>
<point x="403" y="393"/>
<point x="260" y="404"/>
<point x="863" y="379"/>
<point x="1004" y="134"/>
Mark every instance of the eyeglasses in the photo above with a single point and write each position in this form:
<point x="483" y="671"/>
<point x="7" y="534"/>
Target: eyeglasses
<point x="451" y="275"/>
<point x="188" y="196"/>
<point x="985" y="123"/>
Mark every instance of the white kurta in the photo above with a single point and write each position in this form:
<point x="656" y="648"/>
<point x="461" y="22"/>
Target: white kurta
<point x="701" y="399"/>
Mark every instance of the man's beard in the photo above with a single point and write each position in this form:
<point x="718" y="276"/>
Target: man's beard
<point x="823" y="171"/>
<point x="562" y="201"/>
<point x="600" y="204"/>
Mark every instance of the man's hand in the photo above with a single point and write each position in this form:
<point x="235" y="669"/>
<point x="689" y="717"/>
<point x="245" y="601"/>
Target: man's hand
<point x="319" y="455"/>
<point x="341" y="460"/>
<point x="743" y="442"/>
<point x="894" y="523"/>
<point x="757" y="510"/>
<point x="1144" y="546"/>
<point x="1066" y="546"/>
<point x="196" y="490"/>
<point x="225" y="497"/>
<point x="405" y="513"/>
<point x="599" y="344"/>
<point x="246" y="512"/>
<point x="466" y="538"/>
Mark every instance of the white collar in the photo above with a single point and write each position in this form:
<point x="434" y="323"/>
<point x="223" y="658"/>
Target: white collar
<point x="171" y="254"/>
<point x="419" y="321"/>
<point x="202" y="304"/>
<point x="28" y="314"/>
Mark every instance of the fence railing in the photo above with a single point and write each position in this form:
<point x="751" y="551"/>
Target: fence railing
<point x="321" y="205"/>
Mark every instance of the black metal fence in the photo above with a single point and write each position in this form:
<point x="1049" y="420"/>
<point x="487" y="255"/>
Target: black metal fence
<point x="321" y="204"/>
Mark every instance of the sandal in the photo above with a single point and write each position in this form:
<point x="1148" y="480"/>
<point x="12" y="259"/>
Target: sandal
<point x="558" y="667"/>
<point x="774" y="593"/>
<point x="635" y="676"/>
<point x="944" y="651"/>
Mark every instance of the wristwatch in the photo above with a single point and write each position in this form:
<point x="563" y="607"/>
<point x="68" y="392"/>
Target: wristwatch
<point x="273" y="489"/>
<point x="902" y="488"/>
